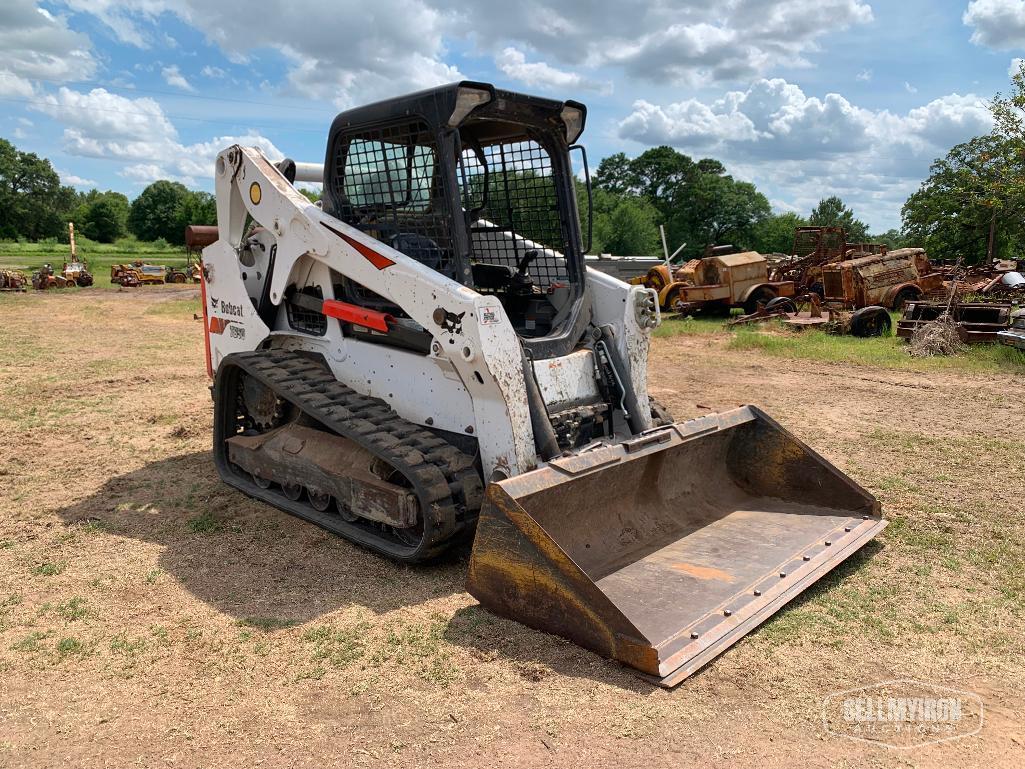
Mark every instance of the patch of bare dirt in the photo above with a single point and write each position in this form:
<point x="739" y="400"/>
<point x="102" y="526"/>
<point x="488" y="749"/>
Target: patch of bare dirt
<point x="150" y="615"/>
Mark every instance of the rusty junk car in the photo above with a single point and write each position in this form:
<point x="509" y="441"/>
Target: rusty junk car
<point x="886" y="280"/>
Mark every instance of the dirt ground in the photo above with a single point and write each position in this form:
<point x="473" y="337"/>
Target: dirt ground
<point x="150" y="616"/>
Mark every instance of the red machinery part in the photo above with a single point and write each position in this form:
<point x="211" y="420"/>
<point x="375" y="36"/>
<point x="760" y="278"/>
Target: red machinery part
<point x="351" y="313"/>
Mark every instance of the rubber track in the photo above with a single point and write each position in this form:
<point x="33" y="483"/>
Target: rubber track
<point x="441" y="475"/>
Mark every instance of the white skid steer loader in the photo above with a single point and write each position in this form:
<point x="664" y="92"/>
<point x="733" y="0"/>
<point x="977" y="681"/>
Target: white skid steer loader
<point x="423" y="356"/>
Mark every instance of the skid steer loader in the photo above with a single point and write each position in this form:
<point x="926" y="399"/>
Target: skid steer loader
<point x="423" y="356"/>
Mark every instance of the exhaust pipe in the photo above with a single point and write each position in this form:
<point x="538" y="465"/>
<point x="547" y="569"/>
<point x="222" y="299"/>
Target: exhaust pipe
<point x="301" y="172"/>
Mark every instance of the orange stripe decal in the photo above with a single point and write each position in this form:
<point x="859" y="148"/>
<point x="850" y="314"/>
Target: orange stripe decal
<point x="206" y="329"/>
<point x="380" y="261"/>
<point x="217" y="325"/>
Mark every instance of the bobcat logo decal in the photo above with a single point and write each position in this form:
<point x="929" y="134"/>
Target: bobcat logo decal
<point x="449" y="321"/>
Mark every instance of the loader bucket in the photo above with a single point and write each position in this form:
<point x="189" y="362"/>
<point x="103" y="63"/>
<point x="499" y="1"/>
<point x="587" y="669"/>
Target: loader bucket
<point x="663" y="551"/>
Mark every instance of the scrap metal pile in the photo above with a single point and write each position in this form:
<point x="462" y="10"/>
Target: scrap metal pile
<point x="12" y="280"/>
<point x="1001" y="280"/>
<point x="846" y="288"/>
<point x="973" y="321"/>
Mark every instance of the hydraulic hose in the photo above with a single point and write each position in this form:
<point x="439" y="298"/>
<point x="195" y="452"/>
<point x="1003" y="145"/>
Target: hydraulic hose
<point x="545" y="442"/>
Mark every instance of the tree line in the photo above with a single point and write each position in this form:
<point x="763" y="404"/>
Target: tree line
<point x="969" y="207"/>
<point x="699" y="204"/>
<point x="34" y="205"/>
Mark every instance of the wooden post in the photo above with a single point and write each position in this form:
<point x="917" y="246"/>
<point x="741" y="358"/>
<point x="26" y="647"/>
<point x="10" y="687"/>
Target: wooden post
<point x="992" y="236"/>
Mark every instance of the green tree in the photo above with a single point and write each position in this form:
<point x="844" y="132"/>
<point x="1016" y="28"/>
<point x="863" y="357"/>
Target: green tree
<point x="831" y="212"/>
<point x="719" y="210"/>
<point x="775" y="233"/>
<point x="33" y="203"/>
<point x="197" y="208"/>
<point x="614" y="174"/>
<point x="698" y="202"/>
<point x="967" y="207"/>
<point x="102" y="216"/>
<point x="624" y="225"/>
<point x="160" y="211"/>
<point x="892" y="238"/>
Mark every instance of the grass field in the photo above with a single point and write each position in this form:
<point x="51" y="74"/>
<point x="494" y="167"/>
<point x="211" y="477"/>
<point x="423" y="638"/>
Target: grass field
<point x="151" y="615"/>
<point x="775" y="340"/>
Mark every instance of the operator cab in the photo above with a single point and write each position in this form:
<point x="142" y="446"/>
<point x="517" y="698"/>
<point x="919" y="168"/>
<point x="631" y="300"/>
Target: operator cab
<point x="476" y="184"/>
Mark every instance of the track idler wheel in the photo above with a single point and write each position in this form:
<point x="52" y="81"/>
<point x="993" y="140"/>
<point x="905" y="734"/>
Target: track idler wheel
<point x="320" y="500"/>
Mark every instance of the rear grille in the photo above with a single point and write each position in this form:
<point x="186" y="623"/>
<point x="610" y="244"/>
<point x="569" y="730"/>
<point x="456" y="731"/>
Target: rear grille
<point x="306" y="321"/>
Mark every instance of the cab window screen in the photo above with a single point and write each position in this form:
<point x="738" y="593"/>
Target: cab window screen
<point x="389" y="187"/>
<point x="519" y="209"/>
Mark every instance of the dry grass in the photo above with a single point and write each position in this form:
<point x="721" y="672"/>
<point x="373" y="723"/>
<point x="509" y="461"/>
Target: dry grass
<point x="149" y="614"/>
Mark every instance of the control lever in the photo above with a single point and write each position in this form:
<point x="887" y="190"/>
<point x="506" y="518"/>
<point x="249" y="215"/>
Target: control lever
<point x="526" y="261"/>
<point x="522" y="284"/>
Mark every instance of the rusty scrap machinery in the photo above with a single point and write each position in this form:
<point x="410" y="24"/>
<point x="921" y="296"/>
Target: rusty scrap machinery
<point x="423" y="357"/>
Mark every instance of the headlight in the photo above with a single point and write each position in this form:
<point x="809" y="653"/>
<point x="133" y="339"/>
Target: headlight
<point x="573" y="117"/>
<point x="467" y="99"/>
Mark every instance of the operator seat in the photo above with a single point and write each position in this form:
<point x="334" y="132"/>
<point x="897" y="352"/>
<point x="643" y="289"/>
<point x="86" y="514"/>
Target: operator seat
<point x="421" y="248"/>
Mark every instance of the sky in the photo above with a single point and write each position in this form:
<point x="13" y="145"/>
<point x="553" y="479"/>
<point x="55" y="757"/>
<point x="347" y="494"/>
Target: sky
<point x="805" y="98"/>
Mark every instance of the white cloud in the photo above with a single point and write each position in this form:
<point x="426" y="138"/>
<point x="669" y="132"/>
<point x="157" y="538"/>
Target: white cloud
<point x="75" y="181"/>
<point x="996" y="23"/>
<point x="173" y="77"/>
<point x="802" y="148"/>
<point x="688" y="123"/>
<point x="357" y="52"/>
<point x="212" y="72"/>
<point x="772" y="118"/>
<point x="39" y="44"/>
<point x="514" y="64"/>
<point x="144" y="173"/>
<point x="15" y="85"/>
<point x="676" y="41"/>
<point x="100" y="124"/>
<point x="351" y="54"/>
<point x="909" y="88"/>
<point x="865" y="75"/>
<point x="127" y="19"/>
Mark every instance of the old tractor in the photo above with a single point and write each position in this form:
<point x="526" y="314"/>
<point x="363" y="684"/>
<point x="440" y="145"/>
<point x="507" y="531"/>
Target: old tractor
<point x="45" y="278"/>
<point x="715" y="284"/>
<point x="12" y="280"/>
<point x="815" y="247"/>
<point x="76" y="270"/>
<point x="887" y="280"/>
<point x="138" y="274"/>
